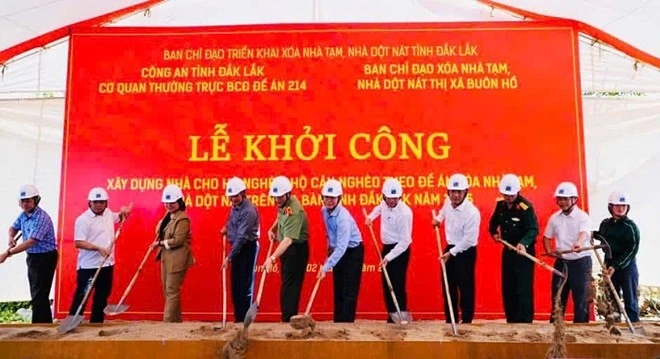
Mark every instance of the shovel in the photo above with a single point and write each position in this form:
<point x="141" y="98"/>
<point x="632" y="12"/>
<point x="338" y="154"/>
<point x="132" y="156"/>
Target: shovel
<point x="252" y="312"/>
<point x="306" y="321"/>
<point x="541" y="263"/>
<point x="622" y="309"/>
<point x="72" y="321"/>
<point x="398" y="317"/>
<point x="115" y="309"/>
<point x="454" y="329"/>
<point x="224" y="282"/>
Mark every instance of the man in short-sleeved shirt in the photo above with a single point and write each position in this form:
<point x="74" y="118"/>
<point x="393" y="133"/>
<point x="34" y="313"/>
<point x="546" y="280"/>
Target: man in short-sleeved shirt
<point x="94" y="235"/>
<point x="291" y="229"/>
<point x="39" y="242"/>
<point x="570" y="227"/>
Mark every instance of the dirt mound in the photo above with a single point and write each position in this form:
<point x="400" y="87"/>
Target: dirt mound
<point x="206" y="330"/>
<point x="237" y="346"/>
<point x="112" y="332"/>
<point x="534" y="337"/>
<point x="30" y="334"/>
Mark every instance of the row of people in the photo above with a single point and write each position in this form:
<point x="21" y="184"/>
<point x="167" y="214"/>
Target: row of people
<point x="513" y="220"/>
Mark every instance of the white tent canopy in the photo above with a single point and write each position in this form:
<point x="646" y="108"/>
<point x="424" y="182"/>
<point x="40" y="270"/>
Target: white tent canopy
<point x="622" y="134"/>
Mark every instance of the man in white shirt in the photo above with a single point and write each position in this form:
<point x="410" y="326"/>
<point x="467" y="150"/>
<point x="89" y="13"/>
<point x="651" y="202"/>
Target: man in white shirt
<point x="396" y="235"/>
<point x="462" y="221"/>
<point x="570" y="227"/>
<point x="93" y="234"/>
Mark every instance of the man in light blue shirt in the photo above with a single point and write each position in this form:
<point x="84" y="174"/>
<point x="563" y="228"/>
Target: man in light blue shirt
<point x="345" y="252"/>
<point x="41" y="246"/>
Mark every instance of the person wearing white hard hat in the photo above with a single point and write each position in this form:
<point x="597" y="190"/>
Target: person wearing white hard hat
<point x="462" y="220"/>
<point x="514" y="221"/>
<point x="174" y="250"/>
<point x="396" y="234"/>
<point x="571" y="228"/>
<point x="291" y="230"/>
<point x="242" y="231"/>
<point x="622" y="235"/>
<point x="94" y="230"/>
<point x="39" y="242"/>
<point x="345" y="250"/>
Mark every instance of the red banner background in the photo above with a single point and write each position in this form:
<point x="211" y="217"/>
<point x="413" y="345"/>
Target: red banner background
<point x="145" y="136"/>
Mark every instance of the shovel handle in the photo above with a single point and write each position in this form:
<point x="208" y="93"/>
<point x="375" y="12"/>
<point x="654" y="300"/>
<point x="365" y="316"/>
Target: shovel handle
<point x="387" y="277"/>
<point x="263" y="274"/>
<point x="622" y="309"/>
<point x="568" y="251"/>
<point x="224" y="281"/>
<point x="135" y="276"/>
<point x="533" y="259"/>
<point x="444" y="278"/>
<point x="311" y="298"/>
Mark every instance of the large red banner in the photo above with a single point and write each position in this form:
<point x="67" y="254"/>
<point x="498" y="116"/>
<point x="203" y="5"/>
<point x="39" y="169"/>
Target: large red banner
<point x="196" y="106"/>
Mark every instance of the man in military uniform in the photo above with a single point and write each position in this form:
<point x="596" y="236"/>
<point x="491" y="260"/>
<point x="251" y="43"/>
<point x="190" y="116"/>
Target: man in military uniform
<point x="517" y="223"/>
<point x="291" y="230"/>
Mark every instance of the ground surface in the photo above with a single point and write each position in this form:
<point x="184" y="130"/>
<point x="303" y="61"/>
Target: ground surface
<point x="483" y="331"/>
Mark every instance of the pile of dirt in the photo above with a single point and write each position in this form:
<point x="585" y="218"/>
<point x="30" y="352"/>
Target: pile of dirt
<point x="111" y="332"/>
<point x="558" y="347"/>
<point x="237" y="346"/>
<point x="30" y="334"/>
<point x="605" y="305"/>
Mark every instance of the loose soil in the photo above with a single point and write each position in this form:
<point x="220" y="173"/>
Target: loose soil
<point x="362" y="330"/>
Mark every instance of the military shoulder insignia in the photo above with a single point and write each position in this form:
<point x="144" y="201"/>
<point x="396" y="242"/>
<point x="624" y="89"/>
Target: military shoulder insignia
<point x="288" y="211"/>
<point x="523" y="206"/>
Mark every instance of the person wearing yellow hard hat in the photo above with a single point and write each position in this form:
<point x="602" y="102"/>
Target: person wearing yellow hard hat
<point x="622" y="235"/>
<point x="242" y="231"/>
<point x="94" y="230"/>
<point x="40" y="245"/>
<point x="174" y="250"/>
<point x="514" y="221"/>
<point x="570" y="227"/>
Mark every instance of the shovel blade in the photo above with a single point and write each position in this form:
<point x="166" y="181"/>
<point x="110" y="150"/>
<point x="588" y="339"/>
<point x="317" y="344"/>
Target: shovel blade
<point x="404" y="318"/>
<point x="250" y="315"/>
<point x="115" y="309"/>
<point x="640" y="331"/>
<point x="70" y="323"/>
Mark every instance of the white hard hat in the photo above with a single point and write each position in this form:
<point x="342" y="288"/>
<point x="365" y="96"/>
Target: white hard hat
<point x="172" y="193"/>
<point x="566" y="189"/>
<point x="392" y="188"/>
<point x="458" y="182"/>
<point x="235" y="186"/>
<point x="280" y="186"/>
<point x="617" y="197"/>
<point x="509" y="184"/>
<point x="332" y="188"/>
<point x="27" y="191"/>
<point x="97" y="194"/>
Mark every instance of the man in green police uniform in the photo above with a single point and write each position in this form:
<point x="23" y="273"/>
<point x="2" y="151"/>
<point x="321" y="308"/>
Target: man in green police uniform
<point x="517" y="223"/>
<point x="291" y="229"/>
